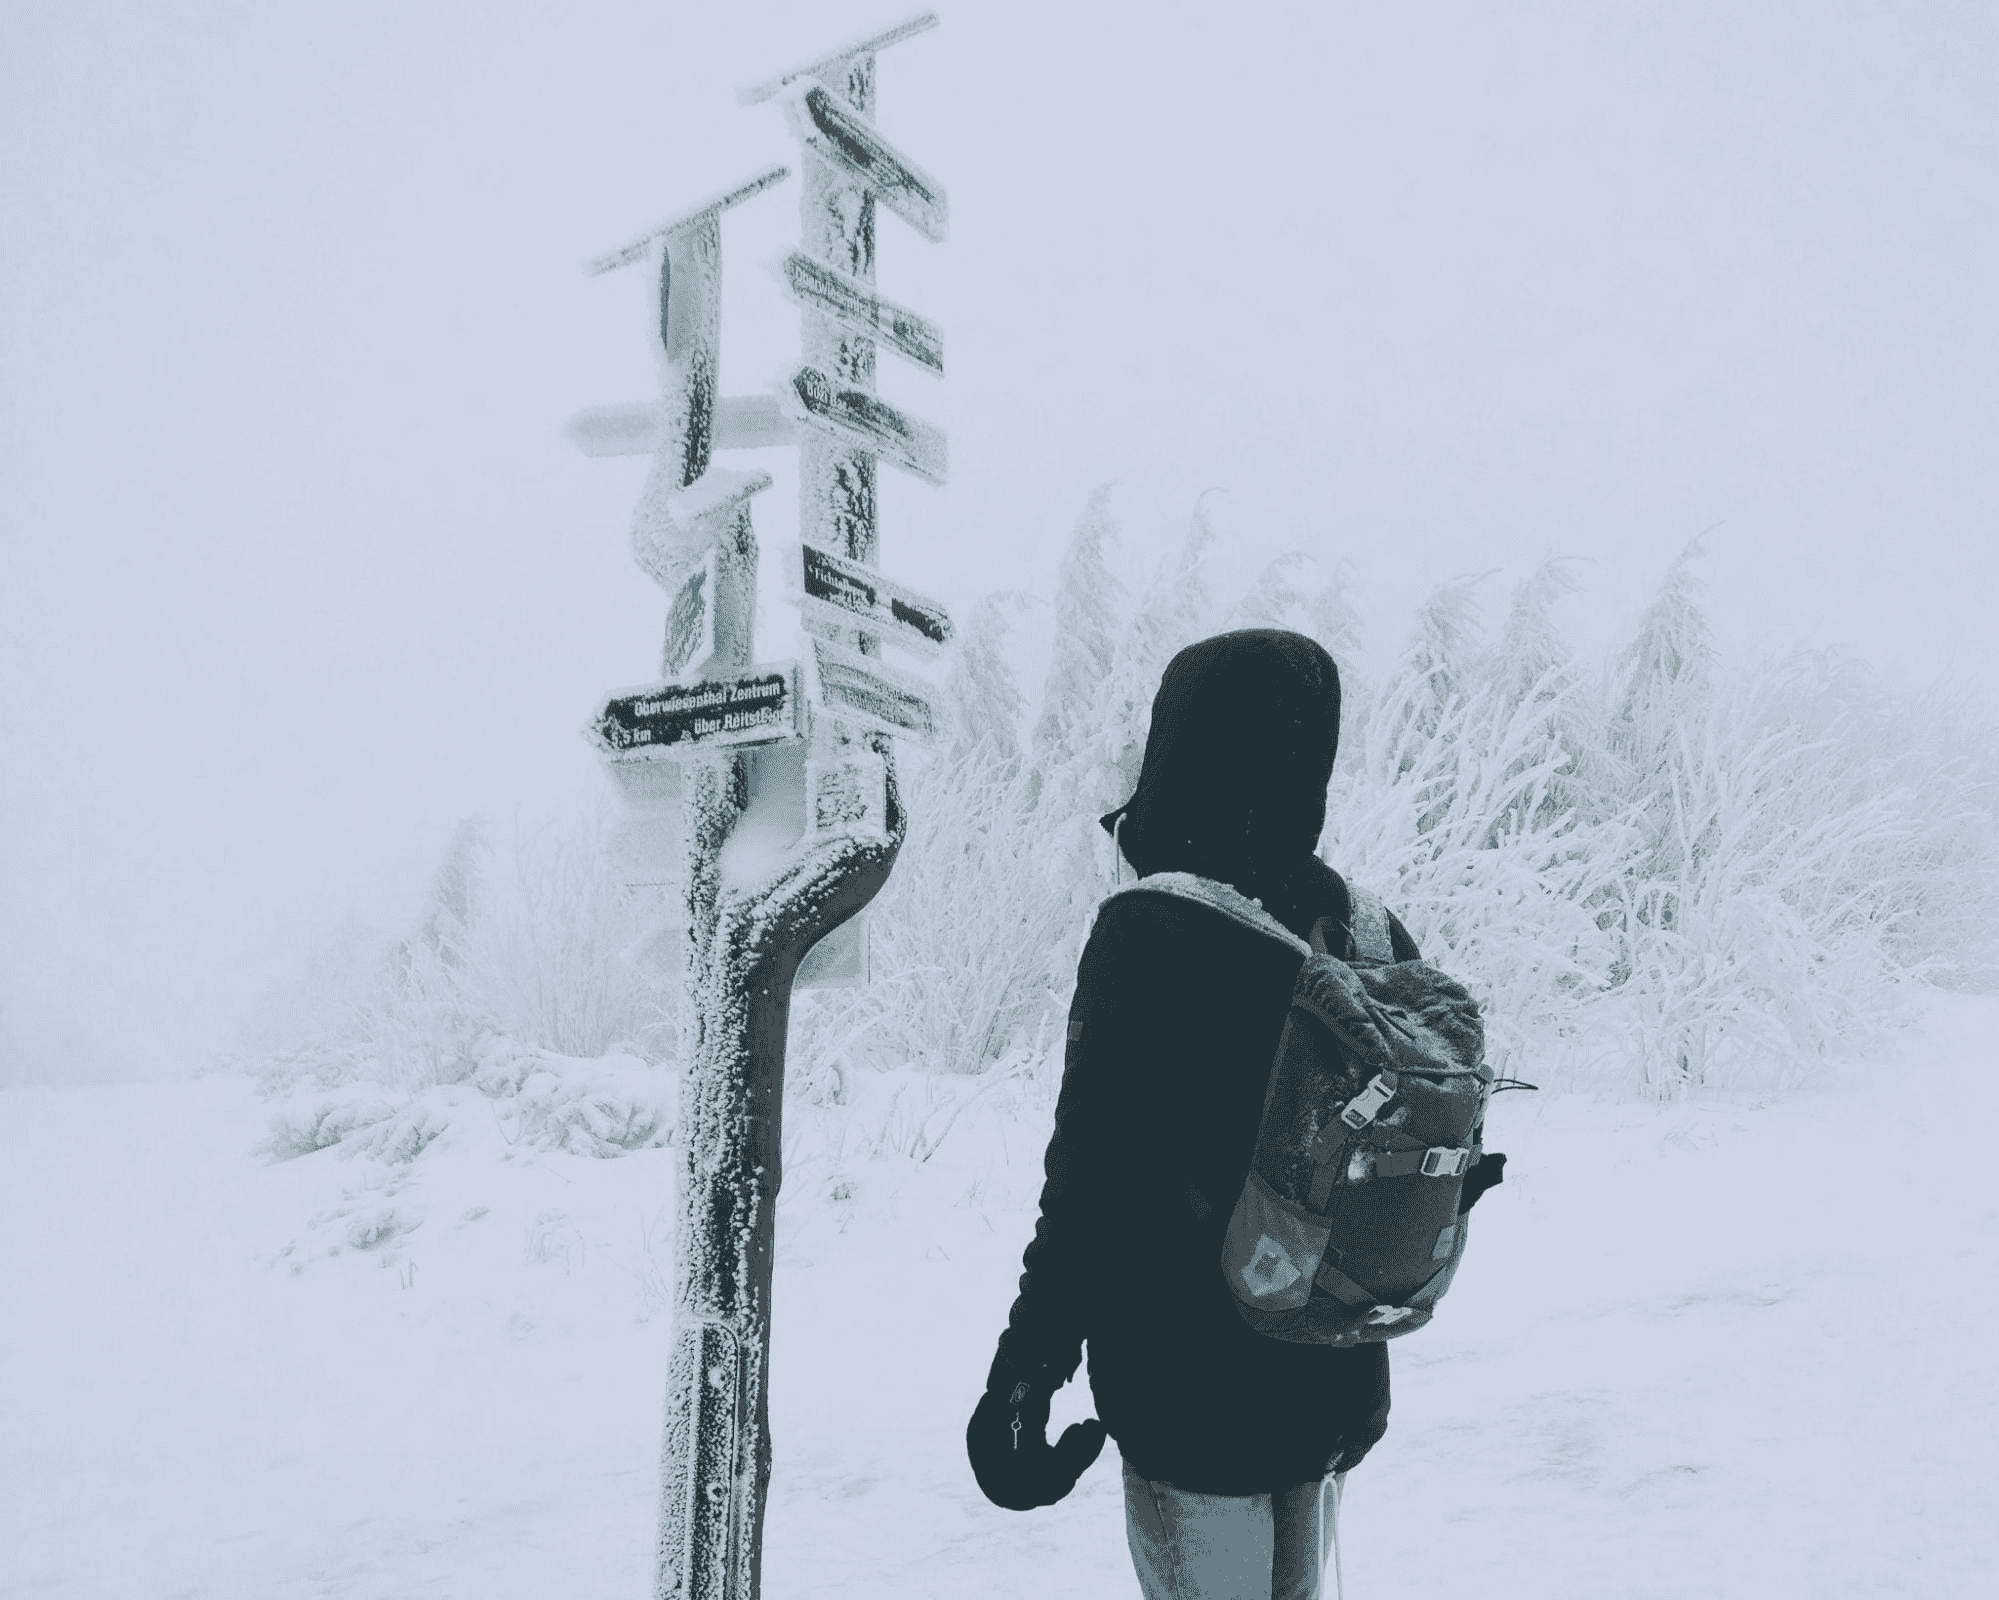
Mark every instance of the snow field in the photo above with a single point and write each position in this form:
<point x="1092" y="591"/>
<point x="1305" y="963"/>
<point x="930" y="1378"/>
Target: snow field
<point x="1721" y="1348"/>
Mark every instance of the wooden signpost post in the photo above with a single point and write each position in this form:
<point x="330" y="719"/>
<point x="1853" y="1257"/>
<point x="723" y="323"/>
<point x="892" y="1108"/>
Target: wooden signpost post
<point x="777" y="780"/>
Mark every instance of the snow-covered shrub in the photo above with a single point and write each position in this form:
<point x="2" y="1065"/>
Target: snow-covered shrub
<point x="376" y="1226"/>
<point x="964" y="935"/>
<point x="1654" y="872"/>
<point x="1448" y="803"/>
<point x="1811" y="851"/>
<point x="600" y="1107"/>
<point x="544" y="991"/>
<point x="1669" y="869"/>
<point x="567" y="959"/>
<point x="310" y="1122"/>
<point x="406" y="1133"/>
<point x="539" y="1100"/>
<point x="553" y="955"/>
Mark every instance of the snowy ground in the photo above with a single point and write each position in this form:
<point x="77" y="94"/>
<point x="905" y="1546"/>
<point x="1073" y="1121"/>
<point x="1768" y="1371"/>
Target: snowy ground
<point x="1716" y="1350"/>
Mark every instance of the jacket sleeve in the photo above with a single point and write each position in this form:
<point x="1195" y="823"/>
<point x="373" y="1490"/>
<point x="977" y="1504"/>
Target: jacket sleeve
<point x="1084" y="1187"/>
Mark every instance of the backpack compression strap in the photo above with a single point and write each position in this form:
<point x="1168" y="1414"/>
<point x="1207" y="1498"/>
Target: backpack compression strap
<point x="1369" y="916"/>
<point x="1370" y="925"/>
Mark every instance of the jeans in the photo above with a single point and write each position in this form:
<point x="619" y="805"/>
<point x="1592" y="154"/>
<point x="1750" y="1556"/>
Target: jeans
<point x="1232" y="1547"/>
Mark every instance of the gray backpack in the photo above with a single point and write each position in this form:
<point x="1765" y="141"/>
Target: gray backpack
<point x="1347" y="1229"/>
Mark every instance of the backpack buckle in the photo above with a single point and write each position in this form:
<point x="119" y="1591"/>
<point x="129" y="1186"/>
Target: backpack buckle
<point x="1365" y="1106"/>
<point x="1442" y="1162"/>
<point x="1387" y="1316"/>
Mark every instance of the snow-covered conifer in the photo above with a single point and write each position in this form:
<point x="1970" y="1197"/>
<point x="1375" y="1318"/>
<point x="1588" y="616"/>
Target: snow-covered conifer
<point x="1087" y="599"/>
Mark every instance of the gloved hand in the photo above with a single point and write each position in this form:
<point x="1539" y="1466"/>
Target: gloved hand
<point x="1007" y="1441"/>
<point x="1489" y="1172"/>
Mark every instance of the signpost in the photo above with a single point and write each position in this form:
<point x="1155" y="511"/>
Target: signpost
<point x="786" y="812"/>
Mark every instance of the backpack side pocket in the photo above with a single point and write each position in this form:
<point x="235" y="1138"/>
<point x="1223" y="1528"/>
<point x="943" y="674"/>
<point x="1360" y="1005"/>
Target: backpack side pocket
<point x="1272" y="1249"/>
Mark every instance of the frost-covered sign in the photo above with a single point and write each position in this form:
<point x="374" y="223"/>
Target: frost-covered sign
<point x="831" y="128"/>
<point x="783" y="809"/>
<point x="757" y="708"/>
<point x="842" y="592"/>
<point x="740" y="422"/>
<point x="690" y="621"/>
<point x="855" y="305"/>
<point x="863" y="691"/>
<point x="860" y="419"/>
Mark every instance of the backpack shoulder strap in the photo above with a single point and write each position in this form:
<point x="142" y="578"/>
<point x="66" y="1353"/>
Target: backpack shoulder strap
<point x="1216" y="896"/>
<point x="1370" y="925"/>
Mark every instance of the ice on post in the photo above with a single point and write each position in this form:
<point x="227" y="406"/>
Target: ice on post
<point x="787" y="815"/>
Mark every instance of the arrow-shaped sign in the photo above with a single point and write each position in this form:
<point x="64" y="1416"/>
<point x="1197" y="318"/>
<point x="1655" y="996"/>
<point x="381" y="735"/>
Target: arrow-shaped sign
<point x="658" y="721"/>
<point x="867" y="422"/>
<point x="829" y="127"/>
<point x="859" y="690"/>
<point x="690" y="621"/>
<point x="829" y="64"/>
<point x="637" y="428"/>
<point x="837" y="590"/>
<point x="854" y="304"/>
<point x="637" y="249"/>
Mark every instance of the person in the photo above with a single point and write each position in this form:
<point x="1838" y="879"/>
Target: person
<point x="1235" y="1446"/>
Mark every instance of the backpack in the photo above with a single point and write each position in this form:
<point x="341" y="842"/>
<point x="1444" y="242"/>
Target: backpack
<point x="1347" y="1228"/>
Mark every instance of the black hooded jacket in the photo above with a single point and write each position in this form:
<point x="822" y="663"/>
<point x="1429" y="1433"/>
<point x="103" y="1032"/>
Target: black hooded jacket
<point x="1171" y="1036"/>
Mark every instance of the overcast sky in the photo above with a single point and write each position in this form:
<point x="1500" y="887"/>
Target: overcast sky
<point x="298" y="569"/>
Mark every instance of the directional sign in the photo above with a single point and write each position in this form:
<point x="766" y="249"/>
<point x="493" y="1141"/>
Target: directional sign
<point x="859" y="690"/>
<point x="854" y="304"/>
<point x="626" y="430"/>
<point x="866" y="422"/>
<point x="667" y="720"/>
<point x="830" y="128"/>
<point x="720" y="201"/>
<point x="690" y="622"/>
<point x="742" y="422"/>
<point x="837" y="590"/>
<point x="829" y="64"/>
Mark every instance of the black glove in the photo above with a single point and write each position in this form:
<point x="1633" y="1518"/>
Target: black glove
<point x="1007" y="1441"/>
<point x="1488" y="1172"/>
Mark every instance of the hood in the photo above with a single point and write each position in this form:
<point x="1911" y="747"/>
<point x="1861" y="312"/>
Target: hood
<point x="1244" y="730"/>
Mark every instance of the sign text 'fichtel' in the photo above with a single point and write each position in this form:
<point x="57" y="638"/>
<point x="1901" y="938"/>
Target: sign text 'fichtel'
<point x="838" y="590"/>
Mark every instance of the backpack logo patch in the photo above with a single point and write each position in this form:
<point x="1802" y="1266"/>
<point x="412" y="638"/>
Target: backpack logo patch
<point x="1269" y="1270"/>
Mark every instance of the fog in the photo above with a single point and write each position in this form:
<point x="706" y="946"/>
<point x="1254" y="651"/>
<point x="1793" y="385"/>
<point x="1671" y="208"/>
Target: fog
<point x="298" y="569"/>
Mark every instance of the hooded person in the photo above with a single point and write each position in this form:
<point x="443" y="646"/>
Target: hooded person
<point x="1171" y="1035"/>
